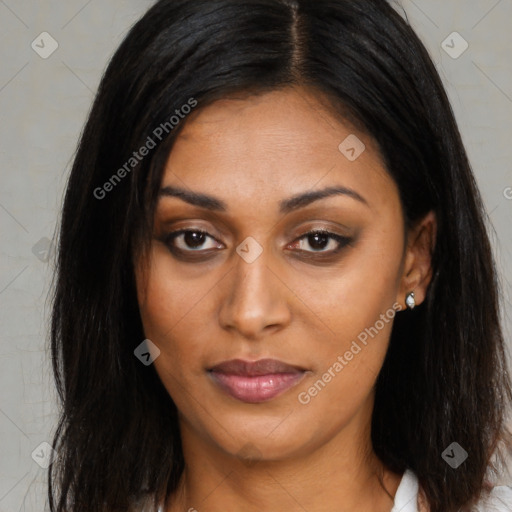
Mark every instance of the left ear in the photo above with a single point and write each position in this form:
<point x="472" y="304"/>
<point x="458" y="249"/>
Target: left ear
<point x="417" y="269"/>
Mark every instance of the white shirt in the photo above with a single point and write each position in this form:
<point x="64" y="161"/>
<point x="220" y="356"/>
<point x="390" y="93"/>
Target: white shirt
<point x="406" y="497"/>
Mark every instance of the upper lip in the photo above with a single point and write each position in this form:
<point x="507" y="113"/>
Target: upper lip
<point x="255" y="368"/>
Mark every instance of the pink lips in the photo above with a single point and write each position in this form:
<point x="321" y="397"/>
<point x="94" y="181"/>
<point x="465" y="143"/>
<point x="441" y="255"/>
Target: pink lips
<point x="256" y="381"/>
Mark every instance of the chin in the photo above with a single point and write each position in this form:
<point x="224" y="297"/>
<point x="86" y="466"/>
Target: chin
<point x="269" y="439"/>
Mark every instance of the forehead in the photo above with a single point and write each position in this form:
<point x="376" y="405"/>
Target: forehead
<point x="275" y="144"/>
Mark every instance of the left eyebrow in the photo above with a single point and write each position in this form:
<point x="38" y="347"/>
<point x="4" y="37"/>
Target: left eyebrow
<point x="285" y="206"/>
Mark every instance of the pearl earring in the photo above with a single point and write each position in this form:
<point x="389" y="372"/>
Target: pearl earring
<point x="409" y="300"/>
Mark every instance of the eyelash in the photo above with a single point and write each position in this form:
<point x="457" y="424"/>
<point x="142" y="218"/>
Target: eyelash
<point x="342" y="241"/>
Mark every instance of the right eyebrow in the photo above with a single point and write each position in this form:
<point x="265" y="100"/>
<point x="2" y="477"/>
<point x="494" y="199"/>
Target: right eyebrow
<point x="195" y="198"/>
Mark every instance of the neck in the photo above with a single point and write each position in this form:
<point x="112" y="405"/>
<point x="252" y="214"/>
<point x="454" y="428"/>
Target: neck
<point x="343" y="474"/>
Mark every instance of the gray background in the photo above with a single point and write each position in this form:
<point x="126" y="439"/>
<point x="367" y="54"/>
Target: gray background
<point x="43" y="105"/>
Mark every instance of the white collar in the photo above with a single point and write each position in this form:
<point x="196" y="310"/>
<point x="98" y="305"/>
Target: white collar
<point x="406" y="497"/>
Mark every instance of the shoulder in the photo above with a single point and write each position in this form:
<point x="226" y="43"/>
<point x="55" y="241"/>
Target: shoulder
<point x="498" y="499"/>
<point x="409" y="497"/>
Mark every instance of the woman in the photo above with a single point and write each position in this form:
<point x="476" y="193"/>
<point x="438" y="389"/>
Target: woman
<point x="275" y="290"/>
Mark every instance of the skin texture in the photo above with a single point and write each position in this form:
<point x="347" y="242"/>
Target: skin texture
<point x="304" y="308"/>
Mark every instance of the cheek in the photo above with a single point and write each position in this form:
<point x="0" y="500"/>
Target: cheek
<point x="356" y="304"/>
<point x="172" y="309"/>
<point x="353" y="295"/>
<point x="169" y="297"/>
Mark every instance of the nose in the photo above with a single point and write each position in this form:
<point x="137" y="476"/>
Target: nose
<point x="256" y="300"/>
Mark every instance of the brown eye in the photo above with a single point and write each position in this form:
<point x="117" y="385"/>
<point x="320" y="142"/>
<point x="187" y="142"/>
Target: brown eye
<point x="190" y="240"/>
<point x="319" y="241"/>
<point x="193" y="239"/>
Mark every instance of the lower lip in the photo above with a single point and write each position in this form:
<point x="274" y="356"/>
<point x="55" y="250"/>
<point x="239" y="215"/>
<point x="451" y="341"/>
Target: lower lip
<point x="258" y="388"/>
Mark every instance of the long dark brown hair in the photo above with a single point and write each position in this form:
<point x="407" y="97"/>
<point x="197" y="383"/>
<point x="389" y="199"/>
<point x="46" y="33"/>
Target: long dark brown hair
<point x="444" y="378"/>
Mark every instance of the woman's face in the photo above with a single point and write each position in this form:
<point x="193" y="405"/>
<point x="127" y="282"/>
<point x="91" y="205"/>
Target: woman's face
<point x="256" y="286"/>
